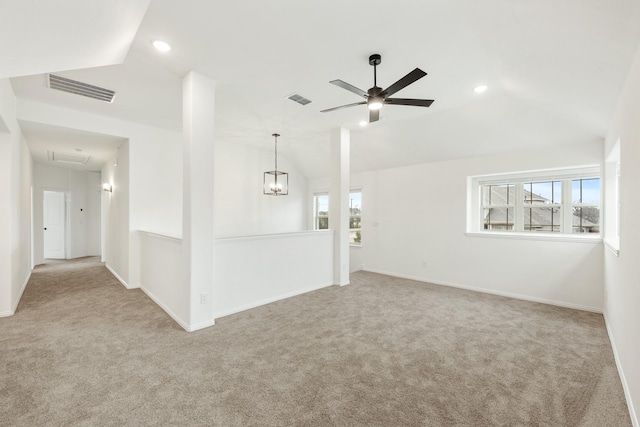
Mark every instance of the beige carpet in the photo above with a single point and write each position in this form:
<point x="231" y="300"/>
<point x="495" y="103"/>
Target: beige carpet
<point x="82" y="350"/>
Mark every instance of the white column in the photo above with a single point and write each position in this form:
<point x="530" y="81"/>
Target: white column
<point x="339" y="203"/>
<point x="198" y="92"/>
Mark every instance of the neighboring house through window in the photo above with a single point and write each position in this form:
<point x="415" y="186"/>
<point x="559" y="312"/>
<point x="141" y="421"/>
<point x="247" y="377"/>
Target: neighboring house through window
<point x="563" y="202"/>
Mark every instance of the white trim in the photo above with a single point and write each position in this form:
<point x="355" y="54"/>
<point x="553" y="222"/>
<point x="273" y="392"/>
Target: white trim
<point x="233" y="239"/>
<point x="556" y="174"/>
<point x="612" y="246"/>
<point x="270" y="300"/>
<point x="623" y="379"/>
<point x="166" y="236"/>
<point x="555" y="237"/>
<point x="17" y="300"/>
<point x="201" y="325"/>
<point x="493" y="292"/>
<point x="120" y="279"/>
<point x="24" y="286"/>
<point x="178" y="320"/>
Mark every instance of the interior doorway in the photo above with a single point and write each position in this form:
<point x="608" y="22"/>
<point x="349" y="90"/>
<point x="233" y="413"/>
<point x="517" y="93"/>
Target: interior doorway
<point x="54" y="224"/>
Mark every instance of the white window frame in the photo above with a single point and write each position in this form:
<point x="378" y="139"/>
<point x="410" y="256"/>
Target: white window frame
<point x="316" y="216"/>
<point x="475" y="226"/>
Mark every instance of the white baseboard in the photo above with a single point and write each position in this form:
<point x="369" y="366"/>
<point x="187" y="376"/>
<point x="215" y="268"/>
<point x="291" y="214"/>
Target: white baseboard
<point x="269" y="300"/>
<point x="120" y="279"/>
<point x="14" y="305"/>
<point x="493" y="292"/>
<point x="202" y="325"/>
<point x="185" y="325"/>
<point x="623" y="379"/>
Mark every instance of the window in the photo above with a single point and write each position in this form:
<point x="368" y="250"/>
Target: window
<point x="560" y="202"/>
<point x="585" y="196"/>
<point x="543" y="206"/>
<point x="321" y="214"/>
<point x="321" y="211"/>
<point x="355" y="218"/>
<point x="498" y="206"/>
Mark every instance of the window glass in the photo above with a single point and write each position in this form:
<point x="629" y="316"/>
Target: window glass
<point x="542" y="193"/>
<point x="498" y="218"/>
<point x="585" y="191"/>
<point x="355" y="217"/>
<point x="543" y="219"/>
<point x="586" y="219"/>
<point x="321" y="214"/>
<point x="564" y="205"/>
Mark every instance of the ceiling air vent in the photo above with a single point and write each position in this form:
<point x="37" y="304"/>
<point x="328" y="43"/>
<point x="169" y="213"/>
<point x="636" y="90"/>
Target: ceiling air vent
<point x="77" y="159"/>
<point x="299" y="99"/>
<point x="73" y="86"/>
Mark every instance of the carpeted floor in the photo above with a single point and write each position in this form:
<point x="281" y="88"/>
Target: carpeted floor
<point x="83" y="350"/>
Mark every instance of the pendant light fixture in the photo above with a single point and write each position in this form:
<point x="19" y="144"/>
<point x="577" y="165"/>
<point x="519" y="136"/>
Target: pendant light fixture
<point x="275" y="182"/>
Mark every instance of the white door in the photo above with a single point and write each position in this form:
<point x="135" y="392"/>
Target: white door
<point x="54" y="225"/>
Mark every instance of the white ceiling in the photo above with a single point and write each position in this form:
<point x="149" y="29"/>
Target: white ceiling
<point x="47" y="36"/>
<point x="43" y="139"/>
<point x="554" y="70"/>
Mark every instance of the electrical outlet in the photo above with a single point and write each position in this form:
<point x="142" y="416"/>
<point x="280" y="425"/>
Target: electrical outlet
<point x="204" y="297"/>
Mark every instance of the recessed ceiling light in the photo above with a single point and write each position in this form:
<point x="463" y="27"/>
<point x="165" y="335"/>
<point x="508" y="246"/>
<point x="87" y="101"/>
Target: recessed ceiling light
<point x="162" y="46"/>
<point x="480" y="89"/>
<point x="363" y="123"/>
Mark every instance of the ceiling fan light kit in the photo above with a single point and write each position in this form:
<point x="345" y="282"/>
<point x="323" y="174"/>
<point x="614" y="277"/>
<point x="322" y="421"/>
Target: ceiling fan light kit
<point x="376" y="97"/>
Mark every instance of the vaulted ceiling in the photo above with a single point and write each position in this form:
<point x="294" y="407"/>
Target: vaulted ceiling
<point x="554" y="70"/>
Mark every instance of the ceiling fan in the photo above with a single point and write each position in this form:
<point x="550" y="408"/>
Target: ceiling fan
<point x="376" y="97"/>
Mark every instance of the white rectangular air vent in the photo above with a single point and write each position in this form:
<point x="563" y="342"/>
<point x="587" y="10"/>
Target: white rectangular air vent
<point x="77" y="159"/>
<point x="73" y="86"/>
<point x="299" y="99"/>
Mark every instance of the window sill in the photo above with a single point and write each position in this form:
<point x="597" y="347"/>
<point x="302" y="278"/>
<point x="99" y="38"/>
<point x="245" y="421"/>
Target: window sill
<point x="613" y="245"/>
<point x="537" y="236"/>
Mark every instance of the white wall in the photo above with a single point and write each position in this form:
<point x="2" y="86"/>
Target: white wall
<point x="115" y="208"/>
<point x="149" y="180"/>
<point x="83" y="207"/>
<point x="15" y="191"/>
<point x="256" y="270"/>
<point x="6" y="285"/>
<point x="622" y="292"/>
<point x="240" y="206"/>
<point x="417" y="214"/>
<point x="163" y="277"/>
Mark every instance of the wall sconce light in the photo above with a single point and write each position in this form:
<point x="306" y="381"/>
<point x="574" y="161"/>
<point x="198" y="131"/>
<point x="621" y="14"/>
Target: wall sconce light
<point x="107" y="187"/>
<point x="275" y="182"/>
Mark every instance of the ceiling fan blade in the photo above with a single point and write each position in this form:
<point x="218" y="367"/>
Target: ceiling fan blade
<point x="343" y="106"/>
<point x="350" y="88"/>
<point x="374" y="116"/>
<point x="404" y="82"/>
<point x="407" y="101"/>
